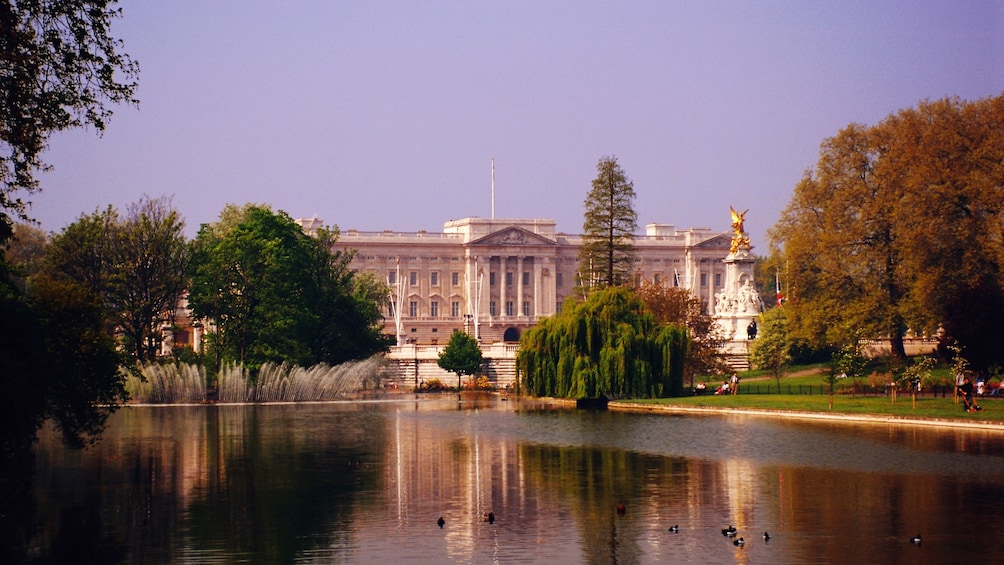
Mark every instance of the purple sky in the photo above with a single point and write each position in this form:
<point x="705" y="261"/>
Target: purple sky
<point x="385" y="115"/>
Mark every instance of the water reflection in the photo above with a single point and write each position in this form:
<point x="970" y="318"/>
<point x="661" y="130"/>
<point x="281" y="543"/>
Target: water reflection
<point x="365" y="482"/>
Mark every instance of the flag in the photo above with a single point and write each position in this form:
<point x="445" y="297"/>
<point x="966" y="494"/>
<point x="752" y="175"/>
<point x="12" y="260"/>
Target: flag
<point x="777" y="289"/>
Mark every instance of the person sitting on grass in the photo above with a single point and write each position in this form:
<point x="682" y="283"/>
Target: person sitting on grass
<point x="967" y="396"/>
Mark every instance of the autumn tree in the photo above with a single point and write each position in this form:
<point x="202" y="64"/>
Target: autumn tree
<point x="61" y="70"/>
<point x="606" y="257"/>
<point x="462" y="356"/>
<point x="675" y="305"/>
<point x="898" y="227"/>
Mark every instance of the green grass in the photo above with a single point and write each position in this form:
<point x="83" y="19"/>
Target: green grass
<point x="818" y="400"/>
<point x="933" y="408"/>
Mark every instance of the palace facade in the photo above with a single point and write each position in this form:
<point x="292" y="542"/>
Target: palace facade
<point x="494" y="278"/>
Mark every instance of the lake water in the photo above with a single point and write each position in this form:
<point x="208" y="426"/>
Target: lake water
<point x="366" y="482"/>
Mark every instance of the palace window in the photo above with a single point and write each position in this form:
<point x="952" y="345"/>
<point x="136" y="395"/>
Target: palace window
<point x="455" y="279"/>
<point x="413" y="278"/>
<point x="508" y="279"/>
<point x="391" y="277"/>
<point x="454" y="308"/>
<point x="508" y="308"/>
<point x="657" y="278"/>
<point x="434" y="278"/>
<point x="704" y="279"/>
<point x="491" y="308"/>
<point x="526" y="307"/>
<point x="559" y="280"/>
<point x="491" y="278"/>
<point x="434" y="308"/>
<point x="718" y="280"/>
<point x="413" y="308"/>
<point x="526" y="279"/>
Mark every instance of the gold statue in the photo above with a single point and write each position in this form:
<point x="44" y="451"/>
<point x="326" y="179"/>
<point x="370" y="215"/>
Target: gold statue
<point x="737" y="219"/>
<point x="739" y="240"/>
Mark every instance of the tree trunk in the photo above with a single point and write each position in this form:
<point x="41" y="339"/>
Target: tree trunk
<point x="898" y="349"/>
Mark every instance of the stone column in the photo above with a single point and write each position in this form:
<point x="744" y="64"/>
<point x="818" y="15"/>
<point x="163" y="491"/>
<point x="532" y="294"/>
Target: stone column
<point x="538" y="288"/>
<point x="502" y="286"/>
<point x="519" y="285"/>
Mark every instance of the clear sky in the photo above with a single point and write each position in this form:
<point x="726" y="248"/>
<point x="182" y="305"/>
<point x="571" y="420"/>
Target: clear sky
<point x="385" y="115"/>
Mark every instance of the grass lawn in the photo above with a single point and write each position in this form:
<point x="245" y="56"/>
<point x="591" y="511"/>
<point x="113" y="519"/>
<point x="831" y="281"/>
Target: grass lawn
<point x="927" y="407"/>
<point x="819" y="401"/>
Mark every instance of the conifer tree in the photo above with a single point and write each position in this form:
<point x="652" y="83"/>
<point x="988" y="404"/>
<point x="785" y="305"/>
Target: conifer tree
<point x="607" y="254"/>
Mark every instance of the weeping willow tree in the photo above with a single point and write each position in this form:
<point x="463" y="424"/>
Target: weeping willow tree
<point x="610" y="344"/>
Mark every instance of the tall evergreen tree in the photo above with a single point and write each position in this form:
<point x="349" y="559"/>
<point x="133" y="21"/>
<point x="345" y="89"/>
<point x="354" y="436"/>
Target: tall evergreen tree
<point x="607" y="254"/>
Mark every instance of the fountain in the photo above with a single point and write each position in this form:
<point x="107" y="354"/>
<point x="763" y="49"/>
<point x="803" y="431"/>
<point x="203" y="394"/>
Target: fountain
<point x="186" y="383"/>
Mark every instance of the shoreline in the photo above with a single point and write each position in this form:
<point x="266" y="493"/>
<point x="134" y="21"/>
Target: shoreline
<point x="794" y="414"/>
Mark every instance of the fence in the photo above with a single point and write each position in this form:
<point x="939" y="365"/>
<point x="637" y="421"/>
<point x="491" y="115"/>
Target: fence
<point x="936" y="391"/>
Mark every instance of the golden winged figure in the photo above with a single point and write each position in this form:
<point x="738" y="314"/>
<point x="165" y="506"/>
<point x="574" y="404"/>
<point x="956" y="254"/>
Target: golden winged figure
<point x="737" y="220"/>
<point x="739" y="239"/>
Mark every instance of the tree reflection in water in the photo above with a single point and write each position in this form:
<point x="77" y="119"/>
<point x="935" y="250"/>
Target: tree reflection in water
<point x="365" y="482"/>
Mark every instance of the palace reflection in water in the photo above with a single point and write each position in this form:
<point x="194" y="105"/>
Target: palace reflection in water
<point x="366" y="482"/>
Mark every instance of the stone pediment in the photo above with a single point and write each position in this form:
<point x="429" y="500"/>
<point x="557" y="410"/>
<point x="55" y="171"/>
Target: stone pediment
<point x="513" y="236"/>
<point x="720" y="241"/>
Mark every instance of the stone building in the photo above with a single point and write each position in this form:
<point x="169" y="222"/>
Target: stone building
<point x="494" y="278"/>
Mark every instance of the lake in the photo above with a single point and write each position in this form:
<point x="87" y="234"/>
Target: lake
<point x="365" y="482"/>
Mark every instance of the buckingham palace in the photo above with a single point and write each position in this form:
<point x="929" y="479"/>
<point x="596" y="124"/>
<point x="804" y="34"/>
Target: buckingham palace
<point x="494" y="278"/>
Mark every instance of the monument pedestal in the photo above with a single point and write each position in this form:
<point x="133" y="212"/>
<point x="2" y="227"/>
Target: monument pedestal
<point x="738" y="306"/>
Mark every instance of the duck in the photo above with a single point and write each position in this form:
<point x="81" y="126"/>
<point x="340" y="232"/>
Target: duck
<point x="740" y="542"/>
<point x="915" y="539"/>
<point x="490" y="517"/>
<point x="766" y="536"/>
<point x="441" y="522"/>
<point x="730" y="531"/>
<point x="675" y="529"/>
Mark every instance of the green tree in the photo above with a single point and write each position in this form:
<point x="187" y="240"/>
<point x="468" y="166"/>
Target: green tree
<point x="272" y="293"/>
<point x="253" y="283"/>
<point x="847" y="362"/>
<point x="675" y="305"/>
<point x="81" y="253"/>
<point x="609" y="344"/>
<point x="149" y="257"/>
<point x="23" y="254"/>
<point x="60" y="68"/>
<point x="606" y="257"/>
<point x="462" y="356"/>
<point x="897" y="227"/>
<point x="133" y="267"/>
<point x="770" y="349"/>
<point x="348" y="305"/>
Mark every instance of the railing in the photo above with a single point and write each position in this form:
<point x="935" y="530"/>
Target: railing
<point x="936" y="391"/>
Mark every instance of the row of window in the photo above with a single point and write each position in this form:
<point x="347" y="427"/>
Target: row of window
<point x="455" y="278"/>
<point x="559" y="279"/>
<point x="455" y="308"/>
